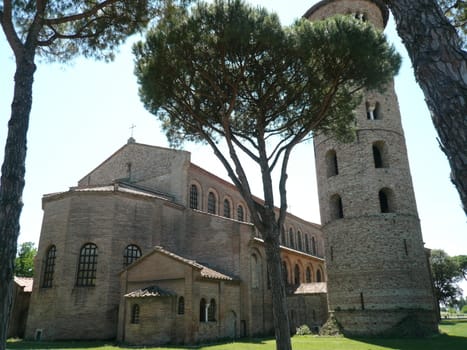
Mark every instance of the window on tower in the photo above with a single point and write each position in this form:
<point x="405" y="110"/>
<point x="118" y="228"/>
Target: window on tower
<point x="380" y="154"/>
<point x="373" y="110"/>
<point x="386" y="200"/>
<point x="332" y="168"/>
<point x="336" y="208"/>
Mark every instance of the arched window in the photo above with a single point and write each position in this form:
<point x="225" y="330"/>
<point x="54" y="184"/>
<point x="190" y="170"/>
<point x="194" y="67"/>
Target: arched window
<point x="291" y="238"/>
<point x="283" y="240"/>
<point x="296" y="274"/>
<point x="181" y="306"/>
<point x="332" y="168"/>
<point x="336" y="211"/>
<point x="386" y="200"/>
<point x="49" y="267"/>
<point x="212" y="311"/>
<point x="313" y="245"/>
<point x="299" y="241"/>
<point x="373" y="111"/>
<point x="131" y="254"/>
<point x="135" y="314"/>
<point x="307" y="243"/>
<point x="255" y="271"/>
<point x="377" y="157"/>
<point x="212" y="203"/>
<point x="240" y="213"/>
<point x="318" y="275"/>
<point x="194" y="201"/>
<point x="202" y="311"/>
<point x="87" y="265"/>
<point x="308" y="275"/>
<point x="227" y="209"/>
<point x="380" y="157"/>
<point x="285" y="274"/>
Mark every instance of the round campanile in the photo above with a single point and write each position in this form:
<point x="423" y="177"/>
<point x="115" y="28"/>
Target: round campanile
<point x="378" y="273"/>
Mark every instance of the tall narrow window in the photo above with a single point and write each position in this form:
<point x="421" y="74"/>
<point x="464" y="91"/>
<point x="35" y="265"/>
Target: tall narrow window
<point x="299" y="241"/>
<point x="377" y="157"/>
<point x="194" y="197"/>
<point x="332" y="168"/>
<point x="49" y="267"/>
<point x="202" y="311"/>
<point x="212" y="311"/>
<point x="373" y="111"/>
<point x="131" y="254"/>
<point x="255" y="276"/>
<point x="291" y="238"/>
<point x="380" y="156"/>
<point x="313" y="245"/>
<point x="211" y="203"/>
<point x="240" y="213"/>
<point x="308" y="275"/>
<point x="135" y="314"/>
<point x="307" y="243"/>
<point x="386" y="200"/>
<point x="318" y="276"/>
<point x="181" y="306"/>
<point x="337" y="211"/>
<point x="87" y="266"/>
<point x="296" y="275"/>
<point x="227" y="207"/>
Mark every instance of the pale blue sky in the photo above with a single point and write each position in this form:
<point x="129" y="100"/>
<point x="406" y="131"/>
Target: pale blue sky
<point x="82" y="113"/>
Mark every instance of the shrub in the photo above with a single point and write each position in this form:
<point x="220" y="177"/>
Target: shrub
<point x="464" y="309"/>
<point x="303" y="330"/>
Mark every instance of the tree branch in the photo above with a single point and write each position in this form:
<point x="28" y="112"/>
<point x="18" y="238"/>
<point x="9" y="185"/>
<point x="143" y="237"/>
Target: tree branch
<point x="6" y="22"/>
<point x="76" y="17"/>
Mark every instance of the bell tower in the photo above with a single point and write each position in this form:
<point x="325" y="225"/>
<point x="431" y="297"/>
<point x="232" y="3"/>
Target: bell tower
<point x="377" y="266"/>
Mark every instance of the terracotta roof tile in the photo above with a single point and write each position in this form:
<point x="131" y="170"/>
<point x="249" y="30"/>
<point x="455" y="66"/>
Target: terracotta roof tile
<point x="151" y="291"/>
<point x="311" y="288"/>
<point x="205" y="271"/>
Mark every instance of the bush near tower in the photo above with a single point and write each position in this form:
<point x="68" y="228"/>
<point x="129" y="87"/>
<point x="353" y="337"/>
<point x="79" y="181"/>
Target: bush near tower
<point x="228" y="72"/>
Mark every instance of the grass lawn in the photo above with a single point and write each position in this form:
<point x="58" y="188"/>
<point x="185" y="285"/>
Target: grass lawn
<point x="453" y="337"/>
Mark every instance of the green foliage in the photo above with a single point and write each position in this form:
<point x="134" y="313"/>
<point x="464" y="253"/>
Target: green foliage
<point x="68" y="28"/>
<point x="24" y="262"/>
<point x="464" y="309"/>
<point x="447" y="272"/>
<point x="303" y="330"/>
<point x="229" y="65"/>
<point x="456" y="12"/>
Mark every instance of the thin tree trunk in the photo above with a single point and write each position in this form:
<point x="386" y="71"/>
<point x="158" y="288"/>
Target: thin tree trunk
<point x="440" y="67"/>
<point x="12" y="184"/>
<point x="279" y="299"/>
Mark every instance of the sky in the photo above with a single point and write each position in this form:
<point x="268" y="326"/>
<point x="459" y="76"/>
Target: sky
<point x="83" y="112"/>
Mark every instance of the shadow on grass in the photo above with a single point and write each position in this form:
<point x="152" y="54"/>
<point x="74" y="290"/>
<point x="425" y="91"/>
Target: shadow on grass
<point x="25" y="344"/>
<point x="442" y="341"/>
<point x="40" y="345"/>
<point x="453" y="336"/>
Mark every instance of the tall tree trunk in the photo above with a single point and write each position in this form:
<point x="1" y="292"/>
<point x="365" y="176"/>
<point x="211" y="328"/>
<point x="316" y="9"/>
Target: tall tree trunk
<point x="279" y="300"/>
<point x="440" y="67"/>
<point x="12" y="184"/>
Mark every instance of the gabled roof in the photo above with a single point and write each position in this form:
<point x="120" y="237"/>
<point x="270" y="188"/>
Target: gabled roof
<point x="25" y="282"/>
<point x="205" y="271"/>
<point x="151" y="291"/>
